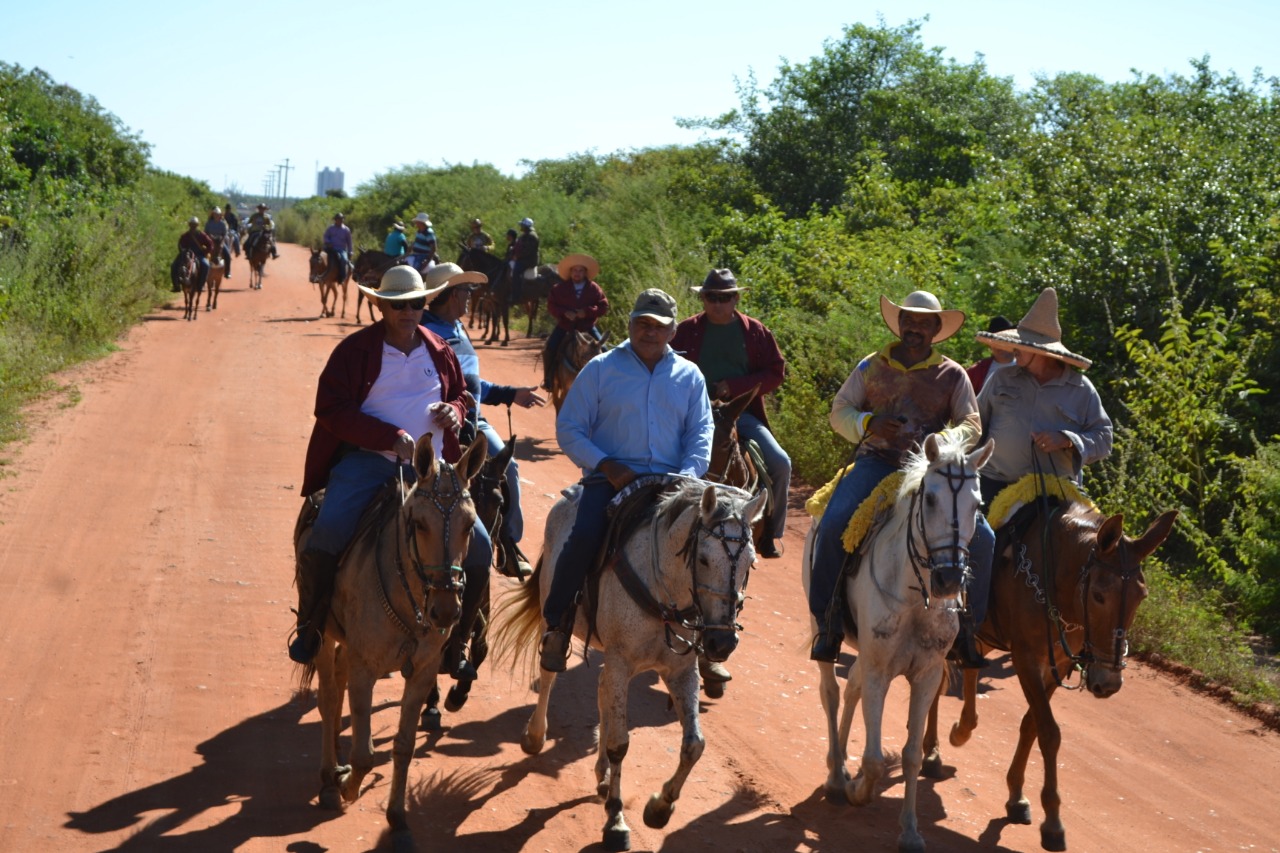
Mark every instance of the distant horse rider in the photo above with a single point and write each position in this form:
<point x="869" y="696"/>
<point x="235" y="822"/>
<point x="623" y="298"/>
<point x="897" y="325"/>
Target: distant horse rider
<point x="423" y="252"/>
<point x="337" y="244"/>
<point x="219" y="229"/>
<point x="577" y="302"/>
<point x="201" y="245"/>
<point x="261" y="227"/>
<point x="526" y="256"/>
<point x="396" y="244"/>
<point x="478" y="239"/>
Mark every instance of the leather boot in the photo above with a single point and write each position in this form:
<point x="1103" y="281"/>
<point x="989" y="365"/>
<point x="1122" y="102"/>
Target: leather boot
<point x="965" y="649"/>
<point x="712" y="671"/>
<point x="556" y="643"/>
<point x="316" y="573"/>
<point x="826" y="646"/>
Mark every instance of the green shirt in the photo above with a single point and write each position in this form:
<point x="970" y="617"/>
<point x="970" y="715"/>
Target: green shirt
<point x="724" y="352"/>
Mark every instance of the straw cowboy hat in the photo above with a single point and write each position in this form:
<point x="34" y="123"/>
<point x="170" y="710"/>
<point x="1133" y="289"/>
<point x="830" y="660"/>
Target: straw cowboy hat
<point x="423" y="218"/>
<point x="1038" y="332"/>
<point x="923" y="302"/>
<point x="719" y="281"/>
<point x="399" y="226"/>
<point x="404" y="282"/>
<point x="568" y="262"/>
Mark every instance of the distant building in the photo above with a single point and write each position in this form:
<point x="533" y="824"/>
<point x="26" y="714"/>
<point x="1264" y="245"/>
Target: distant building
<point x="328" y="179"/>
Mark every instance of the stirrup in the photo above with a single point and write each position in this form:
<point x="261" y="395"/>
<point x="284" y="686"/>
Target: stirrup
<point x="556" y="645"/>
<point x="826" y="647"/>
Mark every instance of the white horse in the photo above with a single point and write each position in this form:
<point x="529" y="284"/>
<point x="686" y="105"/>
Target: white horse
<point x="903" y="600"/>
<point x="674" y="590"/>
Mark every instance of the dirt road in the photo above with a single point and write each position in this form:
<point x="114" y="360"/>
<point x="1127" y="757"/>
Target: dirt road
<point x="146" y="702"/>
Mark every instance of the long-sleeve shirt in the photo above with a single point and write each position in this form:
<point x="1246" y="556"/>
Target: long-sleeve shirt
<point x="197" y="241"/>
<point x="565" y="297"/>
<point x="1013" y="404"/>
<point x="338" y="237"/>
<point x="927" y="397"/>
<point x="655" y="422"/>
<point x="526" y="255"/>
<point x="765" y="364"/>
<point x="455" y="335"/>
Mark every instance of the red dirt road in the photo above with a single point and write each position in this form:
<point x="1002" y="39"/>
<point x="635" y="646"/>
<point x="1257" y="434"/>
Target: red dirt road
<point x="146" y="702"/>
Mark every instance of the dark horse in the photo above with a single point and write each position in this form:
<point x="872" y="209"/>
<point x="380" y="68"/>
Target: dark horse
<point x="367" y="270"/>
<point x="1065" y="587"/>
<point x="499" y="300"/>
<point x="184" y="275"/>
<point x="257" y="257"/>
<point x="575" y="350"/>
<point x="731" y="462"/>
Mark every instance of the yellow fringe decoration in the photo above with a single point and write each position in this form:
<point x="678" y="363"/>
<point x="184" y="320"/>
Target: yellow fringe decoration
<point x="881" y="498"/>
<point x="1027" y="489"/>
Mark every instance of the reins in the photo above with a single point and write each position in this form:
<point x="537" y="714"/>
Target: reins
<point x="915" y="520"/>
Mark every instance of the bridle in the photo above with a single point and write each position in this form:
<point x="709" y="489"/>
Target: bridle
<point x="928" y="558"/>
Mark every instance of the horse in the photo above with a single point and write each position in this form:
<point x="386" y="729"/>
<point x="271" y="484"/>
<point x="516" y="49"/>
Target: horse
<point x="490" y="302"/>
<point x="730" y="463"/>
<point x="217" y="269"/>
<point x="1065" y="588"/>
<point x="671" y="590"/>
<point x="904" y="622"/>
<point x="470" y="641"/>
<point x="367" y="269"/>
<point x="576" y="349"/>
<point x="534" y="291"/>
<point x="184" y="274"/>
<point x="257" y="257"/>
<point x="396" y="598"/>
<point x="325" y="274"/>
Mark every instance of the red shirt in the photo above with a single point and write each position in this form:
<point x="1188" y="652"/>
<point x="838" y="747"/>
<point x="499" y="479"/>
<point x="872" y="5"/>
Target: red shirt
<point x="563" y="297"/>
<point x="198" y="242"/>
<point x="765" y="363"/>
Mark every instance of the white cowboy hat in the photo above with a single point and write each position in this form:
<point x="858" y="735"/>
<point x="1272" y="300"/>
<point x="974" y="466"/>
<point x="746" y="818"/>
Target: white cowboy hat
<point x="568" y="262"/>
<point x="1038" y="332"/>
<point x="423" y="218"/>
<point x="216" y="210"/>
<point x="526" y="223"/>
<point x="193" y="221"/>
<point x="923" y="302"/>
<point x="399" y="226"/>
<point x="400" y="282"/>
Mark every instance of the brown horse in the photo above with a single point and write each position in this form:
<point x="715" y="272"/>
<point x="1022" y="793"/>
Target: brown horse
<point x="257" y="258"/>
<point x="326" y="275"/>
<point x="730" y="463"/>
<point x="576" y="349"/>
<point x="396" y="599"/>
<point x="367" y="269"/>
<point x="217" y="269"/>
<point x="185" y="275"/>
<point x="1065" y="588"/>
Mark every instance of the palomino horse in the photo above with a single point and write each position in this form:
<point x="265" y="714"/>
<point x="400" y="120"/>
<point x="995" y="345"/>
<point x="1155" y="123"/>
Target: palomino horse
<point x="217" y="269"/>
<point x="670" y="591"/>
<point x="397" y="596"/>
<point x="257" y="258"/>
<point x="184" y="274"/>
<point x="576" y="349"/>
<point x="325" y="274"/>
<point x="1065" y="588"/>
<point x="469" y="645"/>
<point x="903" y="603"/>
<point x="367" y="269"/>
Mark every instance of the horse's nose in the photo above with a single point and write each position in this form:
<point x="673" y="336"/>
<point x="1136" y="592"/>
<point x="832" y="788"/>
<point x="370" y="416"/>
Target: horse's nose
<point x="1104" y="682"/>
<point x="946" y="582"/>
<point x="444" y="611"/>
<point x="718" y="645"/>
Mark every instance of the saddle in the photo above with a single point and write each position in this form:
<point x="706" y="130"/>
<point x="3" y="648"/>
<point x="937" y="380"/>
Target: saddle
<point x="387" y="500"/>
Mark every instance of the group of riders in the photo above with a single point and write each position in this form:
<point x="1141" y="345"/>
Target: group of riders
<point x="644" y="407"/>
<point x="224" y="230"/>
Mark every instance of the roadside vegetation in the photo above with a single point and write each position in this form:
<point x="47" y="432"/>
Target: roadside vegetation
<point x="878" y="167"/>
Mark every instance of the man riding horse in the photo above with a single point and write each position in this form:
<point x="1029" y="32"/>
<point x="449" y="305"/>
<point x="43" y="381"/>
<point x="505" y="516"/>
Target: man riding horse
<point x="220" y="229"/>
<point x="577" y="302"/>
<point x="524" y="256"/>
<point x="891" y="401"/>
<point x="261" y="227"/>
<point x="199" y="244"/>
<point x="422" y="254"/>
<point x="636" y="409"/>
<point x="337" y="245"/>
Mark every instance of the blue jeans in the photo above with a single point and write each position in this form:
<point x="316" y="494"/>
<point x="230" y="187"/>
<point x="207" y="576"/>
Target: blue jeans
<point x="339" y="257"/>
<point x="829" y="553"/>
<point x="777" y="463"/>
<point x="580" y="549"/>
<point x="513" y="516"/>
<point x="353" y="483"/>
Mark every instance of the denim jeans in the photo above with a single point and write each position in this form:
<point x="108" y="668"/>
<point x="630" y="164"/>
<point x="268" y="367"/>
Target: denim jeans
<point x="777" y="463"/>
<point x="513" y="515"/>
<point x="580" y="549"/>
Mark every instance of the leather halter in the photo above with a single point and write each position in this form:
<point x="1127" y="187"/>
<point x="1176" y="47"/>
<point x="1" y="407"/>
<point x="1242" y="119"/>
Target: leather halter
<point x="928" y="559"/>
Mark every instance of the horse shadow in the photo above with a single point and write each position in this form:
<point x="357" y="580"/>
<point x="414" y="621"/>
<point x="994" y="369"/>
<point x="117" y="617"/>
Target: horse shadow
<point x="235" y="793"/>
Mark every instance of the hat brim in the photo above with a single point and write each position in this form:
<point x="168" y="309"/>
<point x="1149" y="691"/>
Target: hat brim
<point x="952" y="319"/>
<point x="1011" y="340"/>
<point x="699" y="290"/>
<point x="666" y="321"/>
<point x="399" y="297"/>
<point x="568" y="262"/>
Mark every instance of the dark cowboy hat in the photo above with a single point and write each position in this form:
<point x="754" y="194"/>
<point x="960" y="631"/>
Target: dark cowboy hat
<point x="719" y="281"/>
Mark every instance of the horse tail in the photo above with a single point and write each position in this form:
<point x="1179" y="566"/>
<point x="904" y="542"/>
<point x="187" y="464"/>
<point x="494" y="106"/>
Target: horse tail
<point x="517" y="621"/>
<point x="305" y="673"/>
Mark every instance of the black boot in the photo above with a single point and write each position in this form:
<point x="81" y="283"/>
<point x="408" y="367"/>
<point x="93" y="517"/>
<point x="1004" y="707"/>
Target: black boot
<point x="964" y="650"/>
<point x="555" y="650"/>
<point x="826" y="646"/>
<point x="316" y="573"/>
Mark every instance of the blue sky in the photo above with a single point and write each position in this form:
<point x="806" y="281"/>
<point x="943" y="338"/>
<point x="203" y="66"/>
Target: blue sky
<point x="227" y="93"/>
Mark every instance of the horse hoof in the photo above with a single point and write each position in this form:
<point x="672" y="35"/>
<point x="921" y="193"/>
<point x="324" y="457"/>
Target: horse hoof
<point x="713" y="689"/>
<point x="835" y="796"/>
<point x="457" y="697"/>
<point x="402" y="841"/>
<point x="330" y="799"/>
<point x="910" y="843"/>
<point x="931" y="767"/>
<point x="657" y="812"/>
<point x="617" y="839"/>
<point x="1053" y="839"/>
<point x="532" y="745"/>
<point x="431" y="720"/>
<point x="959" y="736"/>
<point x="1019" y="812"/>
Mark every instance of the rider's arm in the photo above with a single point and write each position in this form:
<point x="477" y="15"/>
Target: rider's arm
<point x="1092" y="436"/>
<point x="768" y="367"/>
<point x="577" y="418"/>
<point x="848" y="416"/>
<point x="698" y="428"/>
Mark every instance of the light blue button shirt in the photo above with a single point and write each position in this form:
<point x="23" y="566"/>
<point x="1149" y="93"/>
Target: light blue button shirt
<point x="654" y="423"/>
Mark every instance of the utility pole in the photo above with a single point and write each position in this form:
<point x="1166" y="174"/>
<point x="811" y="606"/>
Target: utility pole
<point x="284" y="192"/>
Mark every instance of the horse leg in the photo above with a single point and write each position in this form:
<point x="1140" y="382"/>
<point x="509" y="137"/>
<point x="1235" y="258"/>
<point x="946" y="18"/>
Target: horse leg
<point x="535" y="731"/>
<point x="931" y="768"/>
<point x="862" y="790"/>
<point x="963" y="728"/>
<point x="1044" y="728"/>
<point x="344" y="298"/>
<point x="614" y="740"/>
<point x="431" y="717"/>
<point x="415" y="692"/>
<point x="924" y="692"/>
<point x="682" y="686"/>
<point x="360" y="699"/>
<point x="530" y="311"/>
<point x="332" y="668"/>
<point x="829" y="694"/>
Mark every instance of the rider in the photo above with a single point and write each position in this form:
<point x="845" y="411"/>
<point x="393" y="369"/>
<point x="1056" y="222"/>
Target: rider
<point x="200" y="244"/>
<point x="525" y="255"/>
<point x="218" y="229"/>
<point x="576" y="301"/>
<point x="396" y="245"/>
<point x="637" y="409"/>
<point x="423" y="253"/>
<point x="261" y="227"/>
<point x="233" y="222"/>
<point x="337" y="243"/>
<point x="478" y="238"/>
<point x="889" y="404"/>
<point x="1042" y="412"/>
<point x="384" y="388"/>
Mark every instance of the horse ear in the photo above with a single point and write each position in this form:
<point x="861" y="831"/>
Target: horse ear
<point x="424" y="458"/>
<point x="472" y="459"/>
<point x="739" y="404"/>
<point x="756" y="506"/>
<point x="709" y="502"/>
<point x="1110" y="533"/>
<point x="931" y="447"/>
<point x="982" y="455"/>
<point x="504" y="456"/>
<point x="1156" y="534"/>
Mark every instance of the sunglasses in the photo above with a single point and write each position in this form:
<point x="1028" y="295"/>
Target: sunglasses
<point x="407" y="304"/>
<point x="719" y="298"/>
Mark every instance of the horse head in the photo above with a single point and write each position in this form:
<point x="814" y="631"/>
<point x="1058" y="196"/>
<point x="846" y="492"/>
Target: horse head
<point x="488" y="489"/>
<point x="439" y="515"/>
<point x="727" y="464"/>
<point x="318" y="264"/>
<point x="1111" y="585"/>
<point x="945" y="508"/>
<point x="720" y="554"/>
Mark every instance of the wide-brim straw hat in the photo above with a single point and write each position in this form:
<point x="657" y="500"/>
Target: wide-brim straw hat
<point x="923" y="302"/>
<point x="1038" y="332"/>
<point x="423" y="218"/>
<point x="447" y="274"/>
<point x="568" y="262"/>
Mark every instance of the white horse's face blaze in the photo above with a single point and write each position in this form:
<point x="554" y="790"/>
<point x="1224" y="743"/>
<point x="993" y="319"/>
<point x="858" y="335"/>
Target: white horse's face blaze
<point x="949" y="501"/>
<point x="725" y="556"/>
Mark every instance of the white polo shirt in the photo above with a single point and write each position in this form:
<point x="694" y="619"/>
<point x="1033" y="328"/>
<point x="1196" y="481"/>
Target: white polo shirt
<point x="406" y="386"/>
